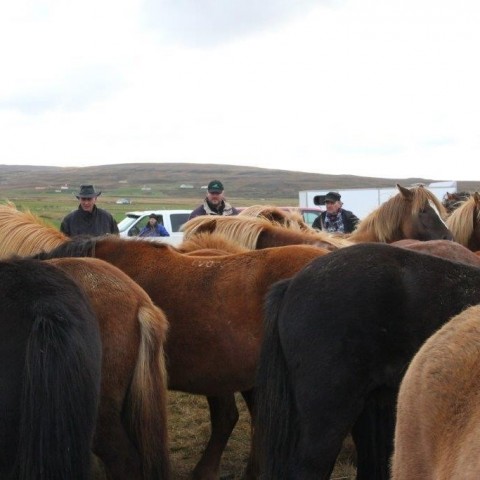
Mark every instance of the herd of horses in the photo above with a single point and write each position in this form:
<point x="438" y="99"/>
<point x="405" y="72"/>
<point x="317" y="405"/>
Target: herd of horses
<point x="315" y="330"/>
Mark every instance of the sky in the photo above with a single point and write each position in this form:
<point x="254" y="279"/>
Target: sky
<point x="379" y="88"/>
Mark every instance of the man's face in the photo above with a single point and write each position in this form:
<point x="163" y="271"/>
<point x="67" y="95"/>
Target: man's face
<point x="87" y="204"/>
<point x="215" y="198"/>
<point x="332" y="207"/>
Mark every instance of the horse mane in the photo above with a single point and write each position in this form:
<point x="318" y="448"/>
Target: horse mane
<point x="245" y="230"/>
<point x="290" y="218"/>
<point x="387" y="219"/>
<point x="211" y="241"/>
<point x="462" y="220"/>
<point x="451" y="201"/>
<point x="23" y="233"/>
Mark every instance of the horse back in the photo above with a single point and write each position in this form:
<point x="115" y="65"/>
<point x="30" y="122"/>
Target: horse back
<point x="50" y="356"/>
<point x="437" y="433"/>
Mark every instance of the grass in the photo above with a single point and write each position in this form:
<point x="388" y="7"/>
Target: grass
<point x="189" y="428"/>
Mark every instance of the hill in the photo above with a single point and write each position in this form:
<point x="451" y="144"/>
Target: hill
<point x="185" y="180"/>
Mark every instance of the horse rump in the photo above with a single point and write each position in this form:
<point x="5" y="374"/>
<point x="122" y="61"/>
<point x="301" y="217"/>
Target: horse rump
<point x="50" y="357"/>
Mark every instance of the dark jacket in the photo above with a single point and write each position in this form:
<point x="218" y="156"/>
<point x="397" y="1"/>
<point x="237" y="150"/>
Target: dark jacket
<point x="80" y="222"/>
<point x="206" y="208"/>
<point x="350" y="221"/>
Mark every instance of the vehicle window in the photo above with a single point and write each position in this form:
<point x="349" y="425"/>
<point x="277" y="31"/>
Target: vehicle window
<point x="127" y="222"/>
<point x="178" y="219"/>
<point x="309" y="217"/>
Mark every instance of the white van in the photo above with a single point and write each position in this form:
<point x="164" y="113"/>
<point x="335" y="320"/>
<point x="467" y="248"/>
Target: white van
<point x="172" y="220"/>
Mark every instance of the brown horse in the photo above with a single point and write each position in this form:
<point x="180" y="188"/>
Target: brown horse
<point x="412" y="213"/>
<point x="451" y="201"/>
<point x="441" y="248"/>
<point x="464" y="223"/>
<point x="131" y="431"/>
<point x="214" y="339"/>
<point x="437" y="434"/>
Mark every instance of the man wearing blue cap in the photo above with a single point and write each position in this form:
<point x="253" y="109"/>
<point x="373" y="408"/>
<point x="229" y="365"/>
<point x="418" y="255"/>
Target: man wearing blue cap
<point x="214" y="203"/>
<point x="88" y="219"/>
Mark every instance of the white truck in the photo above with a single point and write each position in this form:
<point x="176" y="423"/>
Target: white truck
<point x="172" y="220"/>
<point x="361" y="201"/>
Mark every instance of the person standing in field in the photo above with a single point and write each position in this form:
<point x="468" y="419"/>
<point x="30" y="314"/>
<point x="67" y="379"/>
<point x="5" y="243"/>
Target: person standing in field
<point x="335" y="219"/>
<point x="88" y="219"/>
<point x="214" y="203"/>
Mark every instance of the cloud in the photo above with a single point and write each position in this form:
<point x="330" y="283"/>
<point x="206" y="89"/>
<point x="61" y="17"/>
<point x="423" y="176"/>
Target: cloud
<point x="76" y="91"/>
<point x="208" y="23"/>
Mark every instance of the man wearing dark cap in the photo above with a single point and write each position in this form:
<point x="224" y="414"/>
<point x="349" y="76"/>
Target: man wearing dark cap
<point x="214" y="203"/>
<point x="153" y="228"/>
<point x="335" y="219"/>
<point x="88" y="219"/>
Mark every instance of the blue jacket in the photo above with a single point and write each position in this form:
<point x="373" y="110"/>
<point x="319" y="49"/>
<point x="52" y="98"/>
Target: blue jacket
<point x="158" y="231"/>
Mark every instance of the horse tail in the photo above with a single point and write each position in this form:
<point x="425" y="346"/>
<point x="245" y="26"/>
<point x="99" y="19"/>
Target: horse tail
<point x="147" y="401"/>
<point x="275" y="415"/>
<point x="61" y="388"/>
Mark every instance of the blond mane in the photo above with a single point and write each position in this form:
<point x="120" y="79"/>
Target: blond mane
<point x="291" y="218"/>
<point x="211" y="241"/>
<point x="245" y="230"/>
<point x="462" y="220"/>
<point x="23" y="233"/>
<point x="384" y="223"/>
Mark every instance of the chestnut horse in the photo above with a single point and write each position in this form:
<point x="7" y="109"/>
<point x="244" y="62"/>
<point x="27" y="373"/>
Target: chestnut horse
<point x="50" y="360"/>
<point x="337" y="339"/>
<point x="131" y="433"/>
<point x="464" y="223"/>
<point x="412" y="213"/>
<point x="437" y="434"/>
<point x="441" y="248"/>
<point x="214" y="339"/>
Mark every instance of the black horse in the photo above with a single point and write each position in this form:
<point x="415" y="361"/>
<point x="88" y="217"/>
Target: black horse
<point x="338" y="339"/>
<point x="50" y="359"/>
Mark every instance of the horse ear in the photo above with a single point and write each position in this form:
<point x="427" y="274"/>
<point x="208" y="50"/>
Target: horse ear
<point x="476" y="196"/>
<point x="405" y="191"/>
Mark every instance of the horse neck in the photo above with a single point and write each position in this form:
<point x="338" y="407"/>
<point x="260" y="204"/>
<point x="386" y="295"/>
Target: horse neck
<point x="280" y="236"/>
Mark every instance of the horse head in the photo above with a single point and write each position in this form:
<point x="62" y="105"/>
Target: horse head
<point x="464" y="223"/>
<point x="425" y="220"/>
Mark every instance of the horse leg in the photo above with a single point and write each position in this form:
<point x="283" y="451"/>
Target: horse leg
<point x="373" y="434"/>
<point x="223" y="418"/>
<point x="113" y="445"/>
<point x="252" y="471"/>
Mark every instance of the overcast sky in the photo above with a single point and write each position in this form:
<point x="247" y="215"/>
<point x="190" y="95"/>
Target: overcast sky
<point x="382" y="88"/>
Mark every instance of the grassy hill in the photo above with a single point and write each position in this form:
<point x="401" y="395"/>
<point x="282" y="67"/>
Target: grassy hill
<point x="167" y="179"/>
<point x="48" y="191"/>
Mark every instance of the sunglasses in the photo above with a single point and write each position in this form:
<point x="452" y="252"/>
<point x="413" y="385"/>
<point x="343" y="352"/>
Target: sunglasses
<point x="327" y="202"/>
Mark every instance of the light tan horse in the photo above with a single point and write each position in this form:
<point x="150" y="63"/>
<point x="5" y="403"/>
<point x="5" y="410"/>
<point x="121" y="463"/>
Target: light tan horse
<point x="412" y="213"/>
<point x="437" y="434"/>
<point x="19" y="233"/>
<point x="464" y="223"/>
